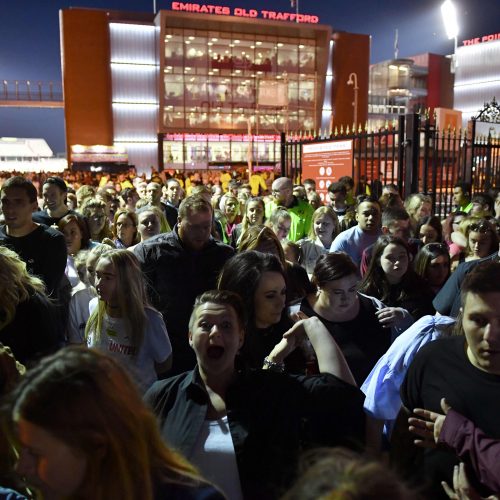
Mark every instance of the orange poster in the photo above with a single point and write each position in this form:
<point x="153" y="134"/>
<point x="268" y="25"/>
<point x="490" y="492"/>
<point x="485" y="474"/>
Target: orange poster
<point x="326" y="162"/>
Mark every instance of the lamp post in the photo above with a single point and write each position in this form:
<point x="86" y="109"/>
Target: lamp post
<point x="353" y="80"/>
<point x="449" y="13"/>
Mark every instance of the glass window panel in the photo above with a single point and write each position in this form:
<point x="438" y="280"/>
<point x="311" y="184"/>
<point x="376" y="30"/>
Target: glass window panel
<point x="240" y="121"/>
<point x="243" y="93"/>
<point x="265" y="57"/>
<point x="197" y="119"/>
<point x="307" y="58"/>
<point x="219" y="93"/>
<point x="293" y="93"/>
<point x="174" y="51"/>
<point x="196" y="91"/>
<point x="173" y="116"/>
<point x="306" y="93"/>
<point x="267" y="121"/>
<point x="239" y="151"/>
<point x="293" y="121"/>
<point x="288" y="59"/>
<point x="263" y="151"/>
<point x="196" y="153"/>
<point x="308" y="122"/>
<point x="196" y="56"/>
<point x="220" y="120"/>
<point x="174" y="89"/>
<point x="219" y="151"/>
<point x="173" y="156"/>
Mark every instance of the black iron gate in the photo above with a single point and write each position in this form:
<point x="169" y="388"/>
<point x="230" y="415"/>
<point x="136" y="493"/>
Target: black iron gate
<point x="414" y="155"/>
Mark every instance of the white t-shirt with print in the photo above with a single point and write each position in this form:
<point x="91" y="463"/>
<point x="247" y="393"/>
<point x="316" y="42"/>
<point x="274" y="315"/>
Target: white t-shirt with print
<point x="115" y="341"/>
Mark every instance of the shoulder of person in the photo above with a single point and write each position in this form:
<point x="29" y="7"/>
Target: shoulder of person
<point x="153" y="314"/>
<point x="180" y="491"/>
<point x="49" y="231"/>
<point x="438" y="349"/>
<point x="162" y="389"/>
<point x="158" y="245"/>
<point x="222" y="247"/>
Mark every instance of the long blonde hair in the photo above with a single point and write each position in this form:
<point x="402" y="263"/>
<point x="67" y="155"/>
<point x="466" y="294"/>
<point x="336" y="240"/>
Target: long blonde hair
<point x="131" y="297"/>
<point x="18" y="284"/>
<point x="96" y="409"/>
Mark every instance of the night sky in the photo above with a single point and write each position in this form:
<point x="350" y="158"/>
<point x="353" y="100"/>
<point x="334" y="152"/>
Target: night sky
<point x="29" y="47"/>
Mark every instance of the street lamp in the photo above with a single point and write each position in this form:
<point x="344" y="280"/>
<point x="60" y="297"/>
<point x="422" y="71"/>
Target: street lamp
<point x="449" y="13"/>
<point x="353" y="80"/>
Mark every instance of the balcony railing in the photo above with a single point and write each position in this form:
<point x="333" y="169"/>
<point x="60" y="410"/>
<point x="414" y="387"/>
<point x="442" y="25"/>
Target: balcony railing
<point x="29" y="90"/>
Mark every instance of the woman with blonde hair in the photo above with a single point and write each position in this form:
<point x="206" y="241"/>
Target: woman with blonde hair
<point x="253" y="216"/>
<point x="99" y="440"/>
<point x="280" y="221"/>
<point x="29" y="323"/>
<point x="122" y="323"/>
<point x="230" y="207"/>
<point x="418" y="205"/>
<point x="94" y="211"/>
<point x="324" y="229"/>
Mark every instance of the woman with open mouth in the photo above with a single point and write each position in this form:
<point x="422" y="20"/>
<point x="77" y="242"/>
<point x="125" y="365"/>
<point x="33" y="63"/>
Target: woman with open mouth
<point x="244" y="429"/>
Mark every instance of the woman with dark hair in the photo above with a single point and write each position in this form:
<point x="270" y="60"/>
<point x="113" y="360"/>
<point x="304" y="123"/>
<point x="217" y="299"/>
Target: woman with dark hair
<point x="245" y="429"/>
<point x="77" y="236"/>
<point x="432" y="264"/>
<point x="350" y="317"/>
<point x="98" y="441"/>
<point x="76" y="233"/>
<point x="429" y="230"/>
<point x="263" y="239"/>
<point x="125" y="229"/>
<point x="391" y="279"/>
<point x="340" y="474"/>
<point x="258" y="278"/>
<point x="450" y="224"/>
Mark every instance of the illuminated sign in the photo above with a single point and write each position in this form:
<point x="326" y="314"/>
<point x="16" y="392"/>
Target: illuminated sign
<point x="249" y="13"/>
<point x="326" y="162"/>
<point x="482" y="39"/>
<point x="221" y="137"/>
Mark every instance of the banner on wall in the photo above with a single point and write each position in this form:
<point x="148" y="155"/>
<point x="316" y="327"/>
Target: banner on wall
<point x="326" y="162"/>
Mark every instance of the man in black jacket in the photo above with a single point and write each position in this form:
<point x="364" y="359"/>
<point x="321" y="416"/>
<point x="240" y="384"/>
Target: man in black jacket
<point x="178" y="267"/>
<point x="42" y="248"/>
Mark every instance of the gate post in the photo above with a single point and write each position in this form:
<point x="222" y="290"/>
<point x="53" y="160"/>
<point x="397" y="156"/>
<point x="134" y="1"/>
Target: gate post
<point x="469" y="161"/>
<point x="412" y="150"/>
<point x="283" y="154"/>
<point x="401" y="152"/>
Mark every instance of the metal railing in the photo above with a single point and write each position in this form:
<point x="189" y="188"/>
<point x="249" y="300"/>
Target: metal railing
<point x="412" y="154"/>
<point x="29" y="90"/>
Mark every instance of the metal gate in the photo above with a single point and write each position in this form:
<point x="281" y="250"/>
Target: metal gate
<point x="413" y="154"/>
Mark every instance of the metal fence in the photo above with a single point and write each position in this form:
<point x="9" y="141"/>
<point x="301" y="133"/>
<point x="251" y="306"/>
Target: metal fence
<point x="27" y="90"/>
<point x="412" y="154"/>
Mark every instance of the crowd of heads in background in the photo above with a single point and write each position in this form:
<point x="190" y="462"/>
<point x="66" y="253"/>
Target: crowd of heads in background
<point x="353" y="260"/>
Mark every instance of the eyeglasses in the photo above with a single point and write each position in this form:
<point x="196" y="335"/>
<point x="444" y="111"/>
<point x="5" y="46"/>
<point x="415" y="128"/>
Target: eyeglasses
<point x="437" y="246"/>
<point x="481" y="227"/>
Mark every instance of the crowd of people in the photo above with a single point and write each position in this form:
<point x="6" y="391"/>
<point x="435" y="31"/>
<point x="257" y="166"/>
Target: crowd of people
<point x="213" y="338"/>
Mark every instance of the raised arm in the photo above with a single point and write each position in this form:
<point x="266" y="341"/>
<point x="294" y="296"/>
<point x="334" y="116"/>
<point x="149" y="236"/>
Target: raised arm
<point x="330" y="358"/>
